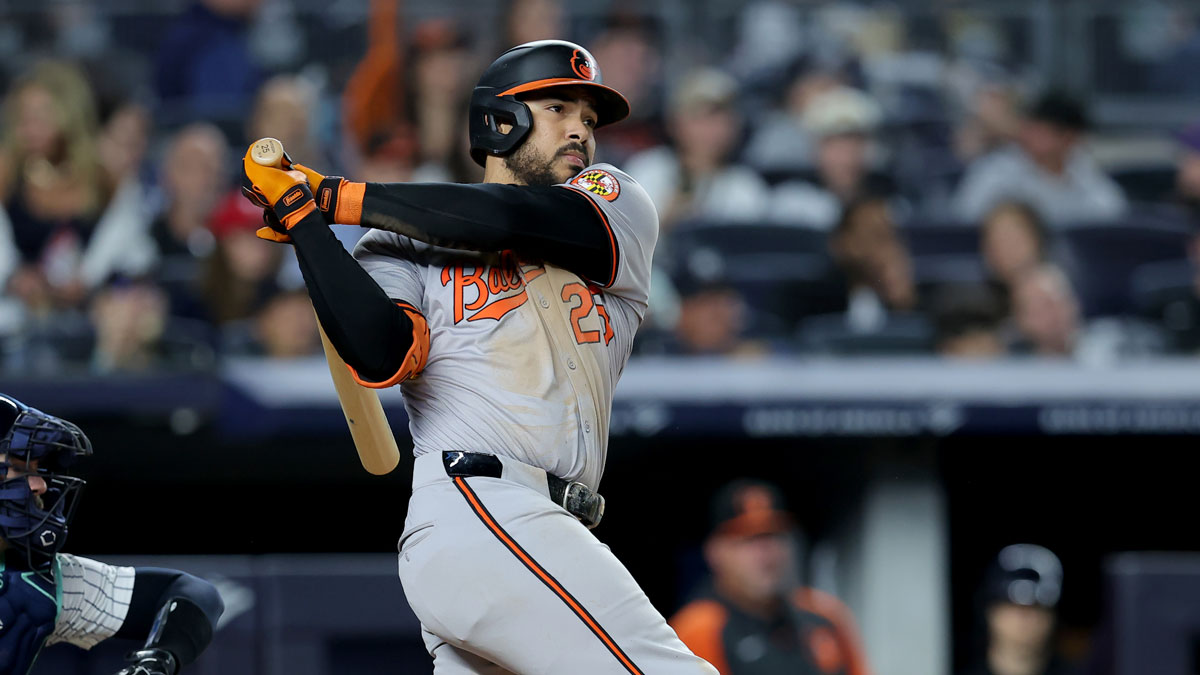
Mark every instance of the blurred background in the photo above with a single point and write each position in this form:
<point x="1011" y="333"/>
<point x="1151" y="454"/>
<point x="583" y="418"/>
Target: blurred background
<point x="928" y="267"/>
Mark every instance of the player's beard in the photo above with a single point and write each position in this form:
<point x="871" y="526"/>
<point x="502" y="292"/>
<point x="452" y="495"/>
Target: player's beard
<point x="531" y="167"/>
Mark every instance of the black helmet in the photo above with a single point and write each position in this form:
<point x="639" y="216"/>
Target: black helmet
<point x="1024" y="574"/>
<point x="531" y="67"/>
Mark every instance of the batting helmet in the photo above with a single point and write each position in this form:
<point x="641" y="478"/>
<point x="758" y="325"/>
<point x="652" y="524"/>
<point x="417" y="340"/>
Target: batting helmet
<point x="33" y="524"/>
<point x="533" y="66"/>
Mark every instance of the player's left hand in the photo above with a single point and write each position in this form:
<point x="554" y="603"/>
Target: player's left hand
<point x="150" y="662"/>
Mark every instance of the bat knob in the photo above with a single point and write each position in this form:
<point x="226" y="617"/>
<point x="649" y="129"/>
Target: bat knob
<point x="267" y="152"/>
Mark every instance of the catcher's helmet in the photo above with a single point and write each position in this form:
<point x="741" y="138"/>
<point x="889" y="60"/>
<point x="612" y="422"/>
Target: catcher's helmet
<point x="533" y="66"/>
<point x="36" y="525"/>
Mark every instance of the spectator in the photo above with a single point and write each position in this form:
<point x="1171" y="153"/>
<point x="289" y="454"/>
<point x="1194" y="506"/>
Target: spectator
<point x="241" y="271"/>
<point x="1048" y="168"/>
<point x="70" y="223"/>
<point x="286" y="326"/>
<point x="967" y="322"/>
<point x="992" y="121"/>
<point x="129" y="319"/>
<point x="842" y="123"/>
<point x="712" y="320"/>
<point x="205" y="69"/>
<point x="753" y="617"/>
<point x="1045" y="312"/>
<point x="440" y="92"/>
<point x="874" y="265"/>
<point x="1047" y="318"/>
<point x="1013" y="240"/>
<point x="529" y="20"/>
<point x="1019" y="598"/>
<point x="781" y="142"/>
<point x="283" y="109"/>
<point x="696" y="178"/>
<point x="629" y="48"/>
<point x="194" y="176"/>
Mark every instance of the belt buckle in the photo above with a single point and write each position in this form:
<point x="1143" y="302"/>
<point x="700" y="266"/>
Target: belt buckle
<point x="584" y="503"/>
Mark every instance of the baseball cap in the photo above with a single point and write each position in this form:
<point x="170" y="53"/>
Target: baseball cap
<point x="842" y="111"/>
<point x="1061" y="109"/>
<point x="704" y="88"/>
<point x="1024" y="574"/>
<point x="745" y="508"/>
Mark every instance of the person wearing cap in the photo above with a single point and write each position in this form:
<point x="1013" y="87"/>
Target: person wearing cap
<point x="751" y="619"/>
<point x="1019" y="597"/>
<point x="696" y="177"/>
<point x="1047" y="167"/>
<point x="842" y="123"/>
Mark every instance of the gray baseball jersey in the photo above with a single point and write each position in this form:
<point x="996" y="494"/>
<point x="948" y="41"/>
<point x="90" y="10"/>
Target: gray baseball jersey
<point x="95" y="600"/>
<point x="523" y="356"/>
<point x="523" y="359"/>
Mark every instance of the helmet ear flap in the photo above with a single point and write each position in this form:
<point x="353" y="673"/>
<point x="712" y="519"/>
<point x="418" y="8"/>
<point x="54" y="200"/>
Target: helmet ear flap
<point x="488" y="112"/>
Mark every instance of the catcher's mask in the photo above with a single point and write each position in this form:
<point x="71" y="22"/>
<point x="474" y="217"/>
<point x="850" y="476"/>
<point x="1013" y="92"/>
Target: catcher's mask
<point x="530" y="67"/>
<point x="36" y="525"/>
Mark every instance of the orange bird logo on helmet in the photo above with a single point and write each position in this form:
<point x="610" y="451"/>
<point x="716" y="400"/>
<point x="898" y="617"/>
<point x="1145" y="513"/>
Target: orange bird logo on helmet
<point x="582" y="66"/>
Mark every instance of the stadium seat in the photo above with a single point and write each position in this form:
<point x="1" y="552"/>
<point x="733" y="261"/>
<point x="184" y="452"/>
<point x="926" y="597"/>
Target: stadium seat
<point x="1101" y="259"/>
<point x="901" y="334"/>
<point x="783" y="272"/>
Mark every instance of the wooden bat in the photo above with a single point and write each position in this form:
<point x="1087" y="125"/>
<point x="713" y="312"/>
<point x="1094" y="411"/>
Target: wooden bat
<point x="364" y="414"/>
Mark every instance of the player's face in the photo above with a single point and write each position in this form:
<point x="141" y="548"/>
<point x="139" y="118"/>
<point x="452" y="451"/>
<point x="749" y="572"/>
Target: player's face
<point x="561" y="143"/>
<point x="750" y="568"/>
<point x="18" y="468"/>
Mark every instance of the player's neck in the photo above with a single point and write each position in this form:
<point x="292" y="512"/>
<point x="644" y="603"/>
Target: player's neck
<point x="497" y="171"/>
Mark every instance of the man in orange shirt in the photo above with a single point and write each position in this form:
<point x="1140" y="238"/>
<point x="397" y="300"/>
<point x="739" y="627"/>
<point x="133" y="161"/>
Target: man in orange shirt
<point x="751" y="620"/>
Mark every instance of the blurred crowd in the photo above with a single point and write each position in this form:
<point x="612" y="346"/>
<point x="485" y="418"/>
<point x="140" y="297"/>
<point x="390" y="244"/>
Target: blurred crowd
<point x="839" y="179"/>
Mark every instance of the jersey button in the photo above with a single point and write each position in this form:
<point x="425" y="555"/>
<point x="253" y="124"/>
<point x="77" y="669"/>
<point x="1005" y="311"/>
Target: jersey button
<point x="587" y="427"/>
<point x="571" y="364"/>
<point x="545" y="303"/>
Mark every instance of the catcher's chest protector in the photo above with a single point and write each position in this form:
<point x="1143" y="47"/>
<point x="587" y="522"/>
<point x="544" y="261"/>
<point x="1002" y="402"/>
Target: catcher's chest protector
<point x="28" y="611"/>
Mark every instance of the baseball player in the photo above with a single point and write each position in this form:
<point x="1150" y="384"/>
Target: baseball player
<point x="506" y="311"/>
<point x="47" y="597"/>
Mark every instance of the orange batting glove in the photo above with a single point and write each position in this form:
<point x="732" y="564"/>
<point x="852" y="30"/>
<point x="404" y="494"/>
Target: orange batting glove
<point x="338" y="199"/>
<point x="282" y="193"/>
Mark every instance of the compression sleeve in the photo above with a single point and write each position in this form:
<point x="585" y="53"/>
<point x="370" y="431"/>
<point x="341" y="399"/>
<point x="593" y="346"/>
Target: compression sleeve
<point x="551" y="224"/>
<point x="153" y="586"/>
<point x="371" y="332"/>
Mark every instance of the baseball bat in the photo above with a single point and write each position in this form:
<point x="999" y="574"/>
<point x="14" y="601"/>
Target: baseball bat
<point x="364" y="414"/>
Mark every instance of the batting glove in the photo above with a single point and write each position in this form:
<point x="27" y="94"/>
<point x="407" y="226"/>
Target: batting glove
<point x="150" y="662"/>
<point x="338" y="199"/>
<point x="282" y="191"/>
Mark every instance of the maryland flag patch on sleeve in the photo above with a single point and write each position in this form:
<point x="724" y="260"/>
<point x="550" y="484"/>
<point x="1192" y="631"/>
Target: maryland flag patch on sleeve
<point x="598" y="182"/>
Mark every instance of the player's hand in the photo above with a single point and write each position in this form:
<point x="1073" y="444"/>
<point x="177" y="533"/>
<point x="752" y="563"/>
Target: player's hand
<point x="284" y="192"/>
<point x="339" y="200"/>
<point x="273" y="230"/>
<point x="150" y="662"/>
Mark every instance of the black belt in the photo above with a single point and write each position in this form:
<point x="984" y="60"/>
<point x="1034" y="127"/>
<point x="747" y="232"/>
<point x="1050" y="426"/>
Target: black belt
<point x="578" y="499"/>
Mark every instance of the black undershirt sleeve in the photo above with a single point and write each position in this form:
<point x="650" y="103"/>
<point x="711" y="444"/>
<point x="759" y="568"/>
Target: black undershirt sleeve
<point x="373" y="335"/>
<point x="152" y="587"/>
<point x="549" y="224"/>
<point x="370" y="332"/>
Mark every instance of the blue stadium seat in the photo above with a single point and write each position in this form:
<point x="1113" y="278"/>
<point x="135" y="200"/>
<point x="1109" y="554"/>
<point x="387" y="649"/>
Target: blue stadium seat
<point x="1101" y="259"/>
<point x="900" y="334"/>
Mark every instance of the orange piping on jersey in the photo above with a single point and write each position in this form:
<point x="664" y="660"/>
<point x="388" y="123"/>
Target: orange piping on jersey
<point x="699" y="626"/>
<point x="832" y="609"/>
<point x="414" y="360"/>
<point x="545" y="577"/>
<point x="497" y="309"/>
<point x="612" y="239"/>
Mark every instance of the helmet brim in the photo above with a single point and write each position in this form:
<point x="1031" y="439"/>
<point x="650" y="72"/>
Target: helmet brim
<point x="611" y="106"/>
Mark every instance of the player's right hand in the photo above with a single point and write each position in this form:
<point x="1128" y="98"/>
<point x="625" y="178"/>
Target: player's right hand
<point x="284" y="192"/>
